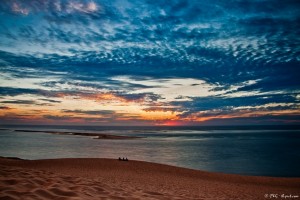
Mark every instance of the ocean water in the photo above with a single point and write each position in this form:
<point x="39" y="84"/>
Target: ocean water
<point x="262" y="151"/>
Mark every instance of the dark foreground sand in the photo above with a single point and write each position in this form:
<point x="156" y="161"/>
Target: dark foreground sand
<point x="112" y="179"/>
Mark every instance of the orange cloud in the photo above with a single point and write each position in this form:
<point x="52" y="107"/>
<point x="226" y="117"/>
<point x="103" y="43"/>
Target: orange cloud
<point x="201" y="116"/>
<point x="159" y="115"/>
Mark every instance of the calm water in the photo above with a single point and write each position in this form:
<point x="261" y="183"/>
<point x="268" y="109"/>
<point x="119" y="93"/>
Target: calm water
<point x="267" y="151"/>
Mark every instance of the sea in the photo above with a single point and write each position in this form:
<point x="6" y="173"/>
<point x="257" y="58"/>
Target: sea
<point x="247" y="150"/>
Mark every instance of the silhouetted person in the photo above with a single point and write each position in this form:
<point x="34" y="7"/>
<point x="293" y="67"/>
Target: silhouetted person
<point x="123" y="159"/>
<point x="126" y="159"/>
<point x="120" y="158"/>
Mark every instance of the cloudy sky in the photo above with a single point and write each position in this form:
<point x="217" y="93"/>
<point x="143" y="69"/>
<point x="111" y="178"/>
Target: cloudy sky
<point x="143" y="62"/>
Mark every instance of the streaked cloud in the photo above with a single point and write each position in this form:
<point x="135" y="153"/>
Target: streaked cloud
<point x="18" y="102"/>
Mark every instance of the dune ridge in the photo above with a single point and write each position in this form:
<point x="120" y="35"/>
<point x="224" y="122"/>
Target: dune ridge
<point x="93" y="178"/>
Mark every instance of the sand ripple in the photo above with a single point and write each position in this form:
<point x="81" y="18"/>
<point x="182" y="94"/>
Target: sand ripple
<point x="77" y="179"/>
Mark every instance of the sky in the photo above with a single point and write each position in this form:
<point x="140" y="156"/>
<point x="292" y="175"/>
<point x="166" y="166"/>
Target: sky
<point x="143" y="62"/>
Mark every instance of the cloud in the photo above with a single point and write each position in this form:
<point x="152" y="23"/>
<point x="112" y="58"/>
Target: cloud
<point x="258" y="120"/>
<point x="151" y="97"/>
<point x="219" y="105"/>
<point x="34" y="6"/>
<point x="192" y="55"/>
<point x="64" y="118"/>
<point x="88" y="83"/>
<point x="18" y="102"/>
<point x="50" y="100"/>
<point x="25" y="102"/>
<point x="92" y="112"/>
<point x="4" y="108"/>
<point x="81" y="7"/>
<point x="260" y="99"/>
<point x="16" y="8"/>
<point x="153" y="47"/>
<point x="160" y="109"/>
<point x="10" y="91"/>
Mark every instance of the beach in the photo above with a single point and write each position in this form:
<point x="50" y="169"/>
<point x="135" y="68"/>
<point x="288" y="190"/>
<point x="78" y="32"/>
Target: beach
<point x="99" y="178"/>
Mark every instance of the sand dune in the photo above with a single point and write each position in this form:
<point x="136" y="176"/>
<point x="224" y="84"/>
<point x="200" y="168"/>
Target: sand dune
<point x="112" y="179"/>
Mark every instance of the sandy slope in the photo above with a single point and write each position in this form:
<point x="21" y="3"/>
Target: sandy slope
<point x="112" y="179"/>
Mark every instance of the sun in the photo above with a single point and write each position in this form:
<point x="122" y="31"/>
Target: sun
<point x="169" y="123"/>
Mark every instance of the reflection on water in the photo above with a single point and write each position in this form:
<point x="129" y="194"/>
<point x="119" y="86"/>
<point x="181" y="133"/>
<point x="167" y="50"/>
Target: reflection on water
<point x="252" y="152"/>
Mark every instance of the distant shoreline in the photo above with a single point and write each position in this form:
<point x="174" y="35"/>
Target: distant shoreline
<point x="96" y="178"/>
<point x="94" y="135"/>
